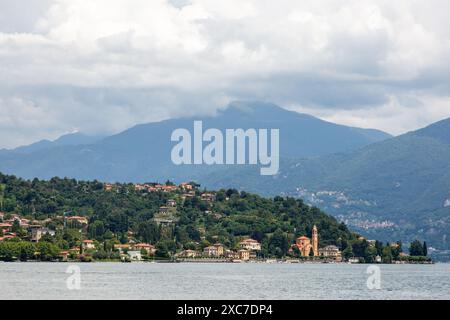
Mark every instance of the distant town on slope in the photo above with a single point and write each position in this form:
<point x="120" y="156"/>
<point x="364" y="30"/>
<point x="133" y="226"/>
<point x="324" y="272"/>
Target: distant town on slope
<point x="66" y="219"/>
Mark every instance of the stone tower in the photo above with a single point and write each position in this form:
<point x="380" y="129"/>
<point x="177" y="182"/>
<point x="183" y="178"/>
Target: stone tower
<point x="315" y="241"/>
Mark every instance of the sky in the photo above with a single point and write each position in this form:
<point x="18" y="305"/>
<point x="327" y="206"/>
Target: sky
<point x="102" y="66"/>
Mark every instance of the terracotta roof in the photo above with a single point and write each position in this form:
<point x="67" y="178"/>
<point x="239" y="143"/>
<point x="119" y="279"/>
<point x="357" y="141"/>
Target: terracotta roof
<point x="121" y="246"/>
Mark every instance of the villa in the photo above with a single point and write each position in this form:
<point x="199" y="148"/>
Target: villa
<point x="331" y="252"/>
<point x="80" y="220"/>
<point x="88" y="244"/>
<point x="250" y="244"/>
<point x="244" y="255"/>
<point x="145" y="246"/>
<point x="216" y="250"/>
<point x="189" y="254"/>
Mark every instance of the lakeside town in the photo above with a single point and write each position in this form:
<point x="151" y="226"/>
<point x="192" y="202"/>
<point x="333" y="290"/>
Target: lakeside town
<point x="183" y="224"/>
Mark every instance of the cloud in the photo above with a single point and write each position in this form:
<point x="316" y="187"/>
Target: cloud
<point x="105" y="65"/>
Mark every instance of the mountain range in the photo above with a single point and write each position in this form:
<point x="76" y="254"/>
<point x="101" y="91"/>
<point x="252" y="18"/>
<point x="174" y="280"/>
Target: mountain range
<point x="396" y="188"/>
<point x="143" y="152"/>
<point x="382" y="186"/>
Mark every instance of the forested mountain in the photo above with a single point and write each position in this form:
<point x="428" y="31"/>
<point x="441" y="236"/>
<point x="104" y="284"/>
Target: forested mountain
<point x="122" y="211"/>
<point x="397" y="188"/>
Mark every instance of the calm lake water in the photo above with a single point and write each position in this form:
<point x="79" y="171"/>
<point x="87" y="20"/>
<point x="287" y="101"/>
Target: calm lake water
<point x="222" y="281"/>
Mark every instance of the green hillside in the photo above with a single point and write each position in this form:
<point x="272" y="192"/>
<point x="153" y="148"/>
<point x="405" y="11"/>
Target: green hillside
<point x="398" y="188"/>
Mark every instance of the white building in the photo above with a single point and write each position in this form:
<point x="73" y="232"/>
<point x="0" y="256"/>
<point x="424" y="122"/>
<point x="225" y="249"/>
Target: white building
<point x="135" y="255"/>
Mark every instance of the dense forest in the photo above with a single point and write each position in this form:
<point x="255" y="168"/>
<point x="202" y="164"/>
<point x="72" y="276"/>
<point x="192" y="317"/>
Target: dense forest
<point x="123" y="212"/>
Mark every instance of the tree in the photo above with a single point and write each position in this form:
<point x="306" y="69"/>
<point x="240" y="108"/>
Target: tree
<point x="47" y="251"/>
<point x="416" y="248"/>
<point x="278" y="244"/>
<point x="2" y="195"/>
<point x="370" y="254"/>
<point x="165" y="247"/>
<point x="379" y="247"/>
<point x="396" y="250"/>
<point x="387" y="254"/>
<point x="148" y="232"/>
<point x="425" y="249"/>
<point x="359" y="248"/>
<point x="348" y="252"/>
<point x="15" y="226"/>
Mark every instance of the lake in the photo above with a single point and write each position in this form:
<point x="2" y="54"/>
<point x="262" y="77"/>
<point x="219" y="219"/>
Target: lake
<point x="222" y="281"/>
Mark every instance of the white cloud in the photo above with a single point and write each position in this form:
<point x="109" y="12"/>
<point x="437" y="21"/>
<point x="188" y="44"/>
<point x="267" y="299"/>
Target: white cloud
<point x="105" y="65"/>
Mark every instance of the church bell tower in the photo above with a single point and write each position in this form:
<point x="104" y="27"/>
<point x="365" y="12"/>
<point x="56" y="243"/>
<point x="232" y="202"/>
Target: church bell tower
<point x="315" y="241"/>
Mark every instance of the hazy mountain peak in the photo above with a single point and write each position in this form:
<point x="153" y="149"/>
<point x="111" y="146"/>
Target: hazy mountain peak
<point x="439" y="130"/>
<point x="70" y="139"/>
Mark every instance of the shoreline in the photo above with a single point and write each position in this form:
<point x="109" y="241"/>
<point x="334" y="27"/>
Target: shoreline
<point x="200" y="261"/>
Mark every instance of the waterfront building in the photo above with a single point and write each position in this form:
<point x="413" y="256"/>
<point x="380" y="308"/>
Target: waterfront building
<point x="189" y="254"/>
<point x="121" y="247"/>
<point x="250" y="244"/>
<point x="145" y="246"/>
<point x="331" y="252"/>
<point x="244" y="255"/>
<point x="216" y="250"/>
<point x="135" y="255"/>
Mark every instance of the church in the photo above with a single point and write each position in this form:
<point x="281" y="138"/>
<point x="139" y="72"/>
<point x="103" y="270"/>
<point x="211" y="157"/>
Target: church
<point x="305" y="245"/>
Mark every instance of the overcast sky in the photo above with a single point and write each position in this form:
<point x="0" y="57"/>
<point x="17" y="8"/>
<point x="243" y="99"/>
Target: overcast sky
<point x="102" y="66"/>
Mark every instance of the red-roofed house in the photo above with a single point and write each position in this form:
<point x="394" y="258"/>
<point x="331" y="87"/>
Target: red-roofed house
<point x="88" y="244"/>
<point x="147" y="247"/>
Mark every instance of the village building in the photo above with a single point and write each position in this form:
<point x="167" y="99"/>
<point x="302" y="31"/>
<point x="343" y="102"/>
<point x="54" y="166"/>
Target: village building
<point x="208" y="197"/>
<point x="64" y="255"/>
<point x="5" y="227"/>
<point x="189" y="254"/>
<point x="250" y="244"/>
<point x="353" y="260"/>
<point x="121" y="247"/>
<point x="163" y="209"/>
<point x="331" y="252"/>
<point x="140" y="187"/>
<point x="135" y="255"/>
<point x="186" y="186"/>
<point x="8" y="236"/>
<point x="244" y="255"/>
<point x="188" y="195"/>
<point x="36" y="233"/>
<point x="24" y="223"/>
<point x="171" y="203"/>
<point x="78" y="219"/>
<point x="88" y="244"/>
<point x="216" y="250"/>
<point x="305" y="245"/>
<point x="144" y="246"/>
<point x="74" y="250"/>
<point x="231" y="254"/>
<point x="163" y="222"/>
<point x="108" y="186"/>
